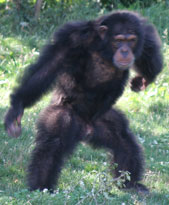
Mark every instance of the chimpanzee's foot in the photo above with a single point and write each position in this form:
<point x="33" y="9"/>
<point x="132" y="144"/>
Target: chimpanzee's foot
<point x="139" y="188"/>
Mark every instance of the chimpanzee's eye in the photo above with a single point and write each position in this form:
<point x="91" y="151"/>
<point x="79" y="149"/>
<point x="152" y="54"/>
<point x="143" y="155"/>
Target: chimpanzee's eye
<point x="119" y="40"/>
<point x="133" y="40"/>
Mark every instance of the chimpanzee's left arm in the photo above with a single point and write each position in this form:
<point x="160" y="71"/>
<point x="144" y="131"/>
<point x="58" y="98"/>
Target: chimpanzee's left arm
<point x="150" y="63"/>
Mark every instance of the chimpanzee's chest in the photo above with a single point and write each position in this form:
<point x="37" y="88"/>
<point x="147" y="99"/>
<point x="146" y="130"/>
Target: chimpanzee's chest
<point x="100" y="72"/>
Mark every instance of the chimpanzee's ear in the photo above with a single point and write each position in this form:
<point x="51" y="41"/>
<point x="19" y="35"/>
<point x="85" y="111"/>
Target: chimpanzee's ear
<point x="102" y="31"/>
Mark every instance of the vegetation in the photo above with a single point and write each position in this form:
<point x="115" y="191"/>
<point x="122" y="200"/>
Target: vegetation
<point x="86" y="178"/>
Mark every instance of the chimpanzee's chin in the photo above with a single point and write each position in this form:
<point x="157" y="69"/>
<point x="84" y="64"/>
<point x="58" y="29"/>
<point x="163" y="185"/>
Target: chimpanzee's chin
<point x="121" y="67"/>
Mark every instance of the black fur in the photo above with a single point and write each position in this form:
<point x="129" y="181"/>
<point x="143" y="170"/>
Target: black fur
<point x="77" y="63"/>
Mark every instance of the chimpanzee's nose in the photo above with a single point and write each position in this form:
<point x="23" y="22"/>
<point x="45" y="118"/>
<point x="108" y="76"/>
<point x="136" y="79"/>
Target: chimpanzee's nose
<point x="124" y="52"/>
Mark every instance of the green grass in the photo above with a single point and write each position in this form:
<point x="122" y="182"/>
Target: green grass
<point x="85" y="178"/>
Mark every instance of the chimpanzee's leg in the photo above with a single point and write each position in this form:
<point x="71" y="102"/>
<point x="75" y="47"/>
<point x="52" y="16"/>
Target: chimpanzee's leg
<point x="111" y="131"/>
<point x="59" y="131"/>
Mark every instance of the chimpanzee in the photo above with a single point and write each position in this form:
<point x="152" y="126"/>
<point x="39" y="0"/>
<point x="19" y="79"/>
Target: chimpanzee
<point x="87" y="65"/>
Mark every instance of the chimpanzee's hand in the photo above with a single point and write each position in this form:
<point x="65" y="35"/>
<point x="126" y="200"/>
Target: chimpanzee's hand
<point x="138" y="83"/>
<point x="13" y="121"/>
